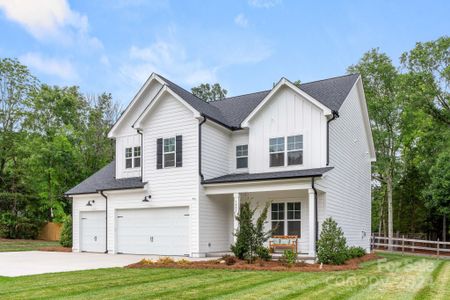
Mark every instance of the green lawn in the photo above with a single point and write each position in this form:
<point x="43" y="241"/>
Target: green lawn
<point x="7" y="245"/>
<point x="395" y="278"/>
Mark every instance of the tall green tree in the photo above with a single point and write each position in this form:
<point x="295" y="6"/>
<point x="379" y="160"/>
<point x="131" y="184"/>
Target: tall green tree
<point x="428" y="66"/>
<point x="380" y="79"/>
<point x="208" y="92"/>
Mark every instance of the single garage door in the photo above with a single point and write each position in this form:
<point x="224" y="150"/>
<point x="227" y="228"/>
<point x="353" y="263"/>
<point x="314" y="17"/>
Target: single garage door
<point x="163" y="231"/>
<point x="93" y="231"/>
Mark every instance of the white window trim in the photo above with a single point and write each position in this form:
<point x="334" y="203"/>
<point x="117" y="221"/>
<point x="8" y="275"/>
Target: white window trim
<point x="285" y="220"/>
<point x="241" y="156"/>
<point x="286" y="151"/>
<point x="170" y="152"/>
<point x="132" y="157"/>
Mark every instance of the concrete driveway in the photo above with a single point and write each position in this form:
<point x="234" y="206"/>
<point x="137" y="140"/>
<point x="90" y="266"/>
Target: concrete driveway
<point x="37" y="262"/>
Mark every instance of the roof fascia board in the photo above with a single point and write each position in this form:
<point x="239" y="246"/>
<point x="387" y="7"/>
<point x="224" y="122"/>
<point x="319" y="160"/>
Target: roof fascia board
<point x="153" y="76"/>
<point x="165" y="89"/>
<point x="284" y="82"/>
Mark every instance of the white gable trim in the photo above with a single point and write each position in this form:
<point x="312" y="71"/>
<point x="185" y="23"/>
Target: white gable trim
<point x="281" y="83"/>
<point x="165" y="89"/>
<point x="367" y="127"/>
<point x="150" y="79"/>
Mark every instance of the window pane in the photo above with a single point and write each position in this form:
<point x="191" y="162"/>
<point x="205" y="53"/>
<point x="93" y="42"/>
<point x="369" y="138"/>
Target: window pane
<point x="169" y="145"/>
<point x="241" y="162"/>
<point x="276" y="144"/>
<point x="293" y="228"/>
<point x="137" y="162"/>
<point x="295" y="142"/>
<point x="242" y="150"/>
<point x="128" y="152"/>
<point x="277" y="159"/>
<point x="295" y="158"/>
<point x="137" y="151"/>
<point x="277" y="228"/>
<point x="169" y="160"/>
<point x="128" y="163"/>
<point x="290" y="214"/>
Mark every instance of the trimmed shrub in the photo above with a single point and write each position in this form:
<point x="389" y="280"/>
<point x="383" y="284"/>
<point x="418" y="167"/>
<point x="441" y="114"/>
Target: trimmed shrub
<point x="263" y="253"/>
<point x="354" y="252"/>
<point x="66" y="232"/>
<point x="289" y="258"/>
<point x="331" y="246"/>
<point x="230" y="260"/>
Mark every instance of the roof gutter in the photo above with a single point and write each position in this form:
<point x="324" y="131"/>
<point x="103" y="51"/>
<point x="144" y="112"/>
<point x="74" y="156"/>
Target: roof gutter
<point x="142" y="153"/>
<point x="106" y="215"/>
<point x="202" y="178"/>
<point x="334" y="117"/>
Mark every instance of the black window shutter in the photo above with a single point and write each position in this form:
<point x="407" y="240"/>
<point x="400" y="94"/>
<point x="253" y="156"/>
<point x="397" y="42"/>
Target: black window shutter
<point x="179" y="153"/>
<point x="159" y="146"/>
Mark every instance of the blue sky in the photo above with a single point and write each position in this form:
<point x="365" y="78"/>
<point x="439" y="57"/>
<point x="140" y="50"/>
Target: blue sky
<point x="245" y="45"/>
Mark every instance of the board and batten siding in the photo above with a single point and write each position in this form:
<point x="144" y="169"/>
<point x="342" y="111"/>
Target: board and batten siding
<point x="348" y="185"/>
<point x="126" y="135"/>
<point x="287" y="113"/>
<point x="173" y="185"/>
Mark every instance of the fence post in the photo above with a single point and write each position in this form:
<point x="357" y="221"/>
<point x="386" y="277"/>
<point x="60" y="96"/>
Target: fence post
<point x="412" y="248"/>
<point x="438" y="247"/>
<point x="403" y="244"/>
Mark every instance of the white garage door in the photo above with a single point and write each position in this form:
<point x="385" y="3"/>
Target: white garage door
<point x="93" y="231"/>
<point x="163" y="231"/>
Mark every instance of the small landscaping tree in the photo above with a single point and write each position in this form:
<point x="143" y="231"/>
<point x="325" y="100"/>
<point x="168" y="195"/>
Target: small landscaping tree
<point x="250" y="237"/>
<point x="331" y="246"/>
<point x="66" y="232"/>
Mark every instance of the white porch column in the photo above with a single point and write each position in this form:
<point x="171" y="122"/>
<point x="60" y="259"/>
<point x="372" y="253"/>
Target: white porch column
<point x="312" y="222"/>
<point x="237" y="207"/>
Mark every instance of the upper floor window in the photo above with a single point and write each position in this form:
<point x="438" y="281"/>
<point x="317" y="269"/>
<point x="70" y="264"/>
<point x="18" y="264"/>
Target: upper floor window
<point x="276" y="148"/>
<point x="290" y="155"/>
<point x="169" y="152"/>
<point x="132" y="157"/>
<point x="241" y="156"/>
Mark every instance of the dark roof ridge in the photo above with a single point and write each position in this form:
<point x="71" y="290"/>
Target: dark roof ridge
<point x="330" y="78"/>
<point x="237" y="96"/>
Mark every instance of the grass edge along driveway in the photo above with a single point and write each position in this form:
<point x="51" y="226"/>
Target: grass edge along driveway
<point x="393" y="277"/>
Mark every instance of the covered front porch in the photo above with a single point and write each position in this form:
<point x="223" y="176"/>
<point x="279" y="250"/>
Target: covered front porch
<point x="295" y="207"/>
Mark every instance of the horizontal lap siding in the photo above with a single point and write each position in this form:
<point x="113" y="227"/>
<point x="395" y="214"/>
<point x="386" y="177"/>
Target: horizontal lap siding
<point x="348" y="185"/>
<point x="170" y="118"/>
<point x="127" y="136"/>
<point x="214" y="212"/>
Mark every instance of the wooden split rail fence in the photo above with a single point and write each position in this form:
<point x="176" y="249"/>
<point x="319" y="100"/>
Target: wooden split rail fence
<point x="411" y="245"/>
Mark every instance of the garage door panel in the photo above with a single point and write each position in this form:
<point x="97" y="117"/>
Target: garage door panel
<point x="153" y="231"/>
<point x="93" y="231"/>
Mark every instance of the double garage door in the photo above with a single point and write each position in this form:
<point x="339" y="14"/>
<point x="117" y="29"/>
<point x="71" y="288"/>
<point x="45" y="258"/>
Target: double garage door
<point x="163" y="231"/>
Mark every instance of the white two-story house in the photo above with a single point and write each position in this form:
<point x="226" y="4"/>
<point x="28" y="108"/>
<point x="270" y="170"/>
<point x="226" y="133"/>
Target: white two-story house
<point x="183" y="166"/>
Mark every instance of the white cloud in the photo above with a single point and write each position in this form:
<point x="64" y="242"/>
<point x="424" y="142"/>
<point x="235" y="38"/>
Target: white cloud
<point x="264" y="3"/>
<point x="50" y="19"/>
<point x="104" y="60"/>
<point x="241" y="21"/>
<point x="169" y="59"/>
<point x="61" y="68"/>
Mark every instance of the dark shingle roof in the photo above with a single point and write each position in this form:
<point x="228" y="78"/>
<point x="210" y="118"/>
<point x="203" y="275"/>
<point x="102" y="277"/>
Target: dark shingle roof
<point x="268" y="176"/>
<point x="233" y="110"/>
<point x="105" y="179"/>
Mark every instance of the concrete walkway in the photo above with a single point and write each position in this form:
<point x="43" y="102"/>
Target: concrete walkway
<point x="39" y="262"/>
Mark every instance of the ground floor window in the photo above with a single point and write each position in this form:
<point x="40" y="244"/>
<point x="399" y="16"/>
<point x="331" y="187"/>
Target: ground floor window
<point x="286" y="218"/>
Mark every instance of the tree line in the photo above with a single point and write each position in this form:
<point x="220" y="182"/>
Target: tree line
<point x="51" y="138"/>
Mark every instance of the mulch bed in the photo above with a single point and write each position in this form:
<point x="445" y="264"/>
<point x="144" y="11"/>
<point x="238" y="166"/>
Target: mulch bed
<point x="55" y="249"/>
<point x="351" y="264"/>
